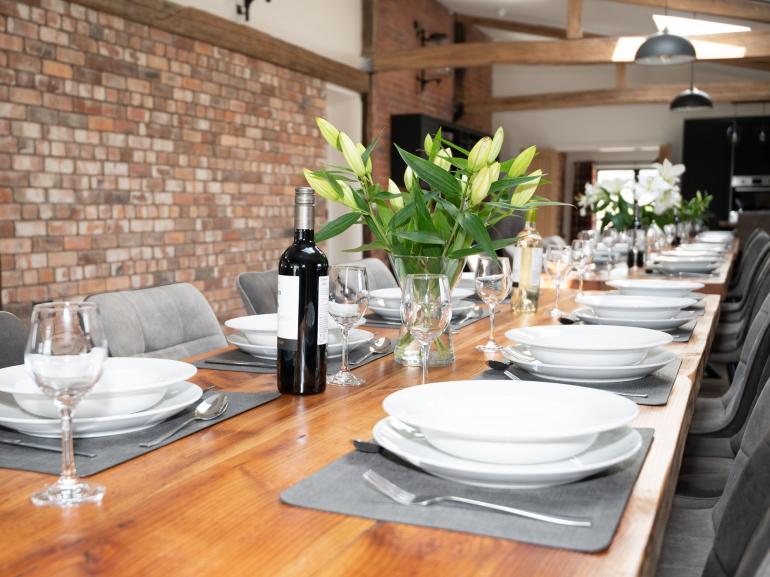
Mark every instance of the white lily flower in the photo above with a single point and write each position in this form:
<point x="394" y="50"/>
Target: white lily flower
<point x="669" y="172"/>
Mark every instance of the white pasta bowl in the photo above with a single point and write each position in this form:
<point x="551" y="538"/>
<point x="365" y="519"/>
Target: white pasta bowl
<point x="632" y="306"/>
<point x="509" y="423"/>
<point x="127" y="385"/>
<point x="390" y="298"/>
<point x="262" y="330"/>
<point x="587" y="345"/>
<point x="663" y="288"/>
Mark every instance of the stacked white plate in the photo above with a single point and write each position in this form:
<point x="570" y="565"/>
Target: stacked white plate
<point x="258" y="336"/>
<point x="687" y="263"/>
<point x="132" y="394"/>
<point x="654" y="288"/>
<point x="662" y="313"/>
<point x="589" y="354"/>
<point x="503" y="434"/>
<point x="387" y="302"/>
<point x="723" y="237"/>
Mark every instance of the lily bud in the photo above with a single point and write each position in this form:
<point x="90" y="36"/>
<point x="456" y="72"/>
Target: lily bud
<point x="322" y="186"/>
<point x="347" y="195"/>
<point x="395" y="203"/>
<point x="477" y="158"/>
<point x="361" y="149"/>
<point x="442" y="159"/>
<point x="497" y="144"/>
<point x="329" y="132"/>
<point x="352" y="156"/>
<point x="428" y="145"/>
<point x="523" y="192"/>
<point x="408" y="178"/>
<point x="480" y="186"/>
<point x="494" y="172"/>
<point x="522" y="161"/>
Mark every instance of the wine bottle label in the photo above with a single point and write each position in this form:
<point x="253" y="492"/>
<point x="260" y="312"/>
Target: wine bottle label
<point x="288" y="306"/>
<point x="537" y="264"/>
<point x="323" y="310"/>
<point x="516" y="273"/>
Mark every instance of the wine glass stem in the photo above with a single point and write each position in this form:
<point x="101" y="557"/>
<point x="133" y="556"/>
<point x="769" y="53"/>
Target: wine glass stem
<point x="557" y="287"/>
<point x="68" y="472"/>
<point x="492" y="322"/>
<point x="580" y="288"/>
<point x="344" y="367"/>
<point x="425" y="349"/>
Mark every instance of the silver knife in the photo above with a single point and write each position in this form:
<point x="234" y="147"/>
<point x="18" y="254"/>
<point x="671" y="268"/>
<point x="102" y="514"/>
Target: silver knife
<point x="19" y="443"/>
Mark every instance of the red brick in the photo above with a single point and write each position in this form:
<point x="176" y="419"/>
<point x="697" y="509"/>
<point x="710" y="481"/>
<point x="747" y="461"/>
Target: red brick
<point x="60" y="69"/>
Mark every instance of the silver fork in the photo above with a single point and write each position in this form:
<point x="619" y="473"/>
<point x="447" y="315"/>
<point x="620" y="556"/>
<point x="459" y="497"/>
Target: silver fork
<point x="404" y="497"/>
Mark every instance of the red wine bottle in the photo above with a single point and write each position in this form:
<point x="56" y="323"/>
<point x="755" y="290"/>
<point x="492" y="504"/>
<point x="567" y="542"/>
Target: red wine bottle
<point x="303" y="303"/>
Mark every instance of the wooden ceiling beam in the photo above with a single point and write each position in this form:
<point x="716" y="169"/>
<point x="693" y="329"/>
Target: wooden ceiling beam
<point x="610" y="50"/>
<point x="650" y="94"/>
<point x="574" y="19"/>
<point x="518" y="27"/>
<point x="740" y="9"/>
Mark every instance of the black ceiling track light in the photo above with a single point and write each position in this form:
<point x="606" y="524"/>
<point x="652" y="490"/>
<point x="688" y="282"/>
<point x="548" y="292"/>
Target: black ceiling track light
<point x="691" y="98"/>
<point x="664" y="48"/>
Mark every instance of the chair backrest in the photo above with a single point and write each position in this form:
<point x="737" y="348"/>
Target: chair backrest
<point x="742" y="515"/>
<point x="171" y="322"/>
<point x="750" y="263"/>
<point x="750" y="240"/>
<point x="377" y="273"/>
<point x="742" y="394"/>
<point x="259" y="291"/>
<point x="13" y="339"/>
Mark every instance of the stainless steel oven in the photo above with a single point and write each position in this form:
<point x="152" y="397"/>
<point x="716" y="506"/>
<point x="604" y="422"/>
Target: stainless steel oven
<point x="750" y="192"/>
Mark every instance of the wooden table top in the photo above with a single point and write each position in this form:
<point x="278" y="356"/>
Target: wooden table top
<point x="713" y="285"/>
<point x="209" y="503"/>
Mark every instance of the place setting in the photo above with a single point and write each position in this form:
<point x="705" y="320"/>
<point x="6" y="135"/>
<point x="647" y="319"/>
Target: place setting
<point x="538" y="462"/>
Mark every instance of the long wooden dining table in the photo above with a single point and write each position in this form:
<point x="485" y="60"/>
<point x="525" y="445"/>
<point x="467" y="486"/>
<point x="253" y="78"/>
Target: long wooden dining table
<point x="209" y="504"/>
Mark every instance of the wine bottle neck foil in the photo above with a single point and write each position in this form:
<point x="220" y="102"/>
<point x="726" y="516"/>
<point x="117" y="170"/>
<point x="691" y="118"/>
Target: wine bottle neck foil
<point x="304" y="208"/>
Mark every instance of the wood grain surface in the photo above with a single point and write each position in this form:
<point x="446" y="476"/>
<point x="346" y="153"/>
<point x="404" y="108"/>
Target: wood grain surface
<point x="209" y="503"/>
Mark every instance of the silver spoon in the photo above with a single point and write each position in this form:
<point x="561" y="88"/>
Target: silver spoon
<point x="209" y="408"/>
<point x="472" y="314"/>
<point x="378" y="346"/>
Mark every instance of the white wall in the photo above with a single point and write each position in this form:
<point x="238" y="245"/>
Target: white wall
<point x="331" y="28"/>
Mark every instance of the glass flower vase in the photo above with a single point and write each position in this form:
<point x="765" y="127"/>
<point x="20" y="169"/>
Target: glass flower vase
<point x="407" y="350"/>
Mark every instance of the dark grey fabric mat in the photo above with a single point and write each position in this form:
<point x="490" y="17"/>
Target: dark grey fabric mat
<point x="602" y="498"/>
<point x="267" y="366"/>
<point x="656" y="386"/>
<point x="683" y="333"/>
<point x="116" y="449"/>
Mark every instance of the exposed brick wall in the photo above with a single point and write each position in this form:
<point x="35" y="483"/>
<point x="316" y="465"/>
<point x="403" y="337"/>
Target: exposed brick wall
<point x="399" y="92"/>
<point x="130" y="157"/>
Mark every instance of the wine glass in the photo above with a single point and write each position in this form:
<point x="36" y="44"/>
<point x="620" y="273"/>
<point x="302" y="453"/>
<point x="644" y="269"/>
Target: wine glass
<point x="65" y="356"/>
<point x="670" y="231"/>
<point x="426" y="309"/>
<point x="582" y="256"/>
<point x="609" y="240"/>
<point x="493" y="283"/>
<point x="558" y="261"/>
<point x="348" y="299"/>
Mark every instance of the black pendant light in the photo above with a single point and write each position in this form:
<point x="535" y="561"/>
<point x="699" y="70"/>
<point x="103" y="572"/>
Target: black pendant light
<point x="692" y="98"/>
<point x="664" y="48"/>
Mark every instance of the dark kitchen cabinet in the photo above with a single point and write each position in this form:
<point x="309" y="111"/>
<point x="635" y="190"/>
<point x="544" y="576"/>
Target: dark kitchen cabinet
<point x="706" y="154"/>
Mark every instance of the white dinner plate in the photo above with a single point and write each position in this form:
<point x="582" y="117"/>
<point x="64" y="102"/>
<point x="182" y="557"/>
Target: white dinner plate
<point x="655" y="287"/>
<point x="681" y="318"/>
<point x="127" y="385"/>
<point x="458" y="309"/>
<point x="723" y="236"/>
<point x="624" y="306"/>
<point x="609" y="449"/>
<point x="702" y="246"/>
<point x="687" y="257"/>
<point x="685" y="266"/>
<point x="589" y="345"/>
<point x="656" y="359"/>
<point x="177" y="398"/>
<point x="356" y="338"/>
<point x="391" y="297"/>
<point x="262" y="329"/>
<point x="510" y="423"/>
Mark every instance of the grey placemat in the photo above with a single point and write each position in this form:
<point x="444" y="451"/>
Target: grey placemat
<point x="116" y="449"/>
<point x="267" y="366"/>
<point x="683" y="333"/>
<point x="656" y="386"/>
<point x="602" y="498"/>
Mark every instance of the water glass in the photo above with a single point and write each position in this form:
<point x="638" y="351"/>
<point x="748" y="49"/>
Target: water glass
<point x="670" y="231"/>
<point x="65" y="356"/>
<point x="426" y="309"/>
<point x="582" y="256"/>
<point x="558" y="262"/>
<point x="493" y="283"/>
<point x="348" y="299"/>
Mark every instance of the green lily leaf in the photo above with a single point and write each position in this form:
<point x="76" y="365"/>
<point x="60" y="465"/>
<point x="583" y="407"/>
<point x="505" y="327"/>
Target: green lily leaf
<point x="422" y="236"/>
<point x="475" y="228"/>
<point x="506" y="183"/>
<point x="496" y="244"/>
<point x="437" y="178"/>
<point x="453" y="145"/>
<point x="337" y="226"/>
<point x="376" y="245"/>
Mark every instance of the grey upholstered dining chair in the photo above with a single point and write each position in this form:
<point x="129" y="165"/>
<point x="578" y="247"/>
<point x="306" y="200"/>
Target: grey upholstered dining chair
<point x="259" y="290"/>
<point x="13" y="340"/>
<point x="171" y="322"/>
<point x="740" y="257"/>
<point x="731" y="537"/>
<point x="734" y="306"/>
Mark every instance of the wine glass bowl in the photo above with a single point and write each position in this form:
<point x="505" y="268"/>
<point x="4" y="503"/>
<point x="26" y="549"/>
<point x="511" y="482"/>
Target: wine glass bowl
<point x="558" y="261"/>
<point x="426" y="309"/>
<point x="348" y="299"/>
<point x="582" y="257"/>
<point x="493" y="283"/>
<point x="65" y="356"/>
